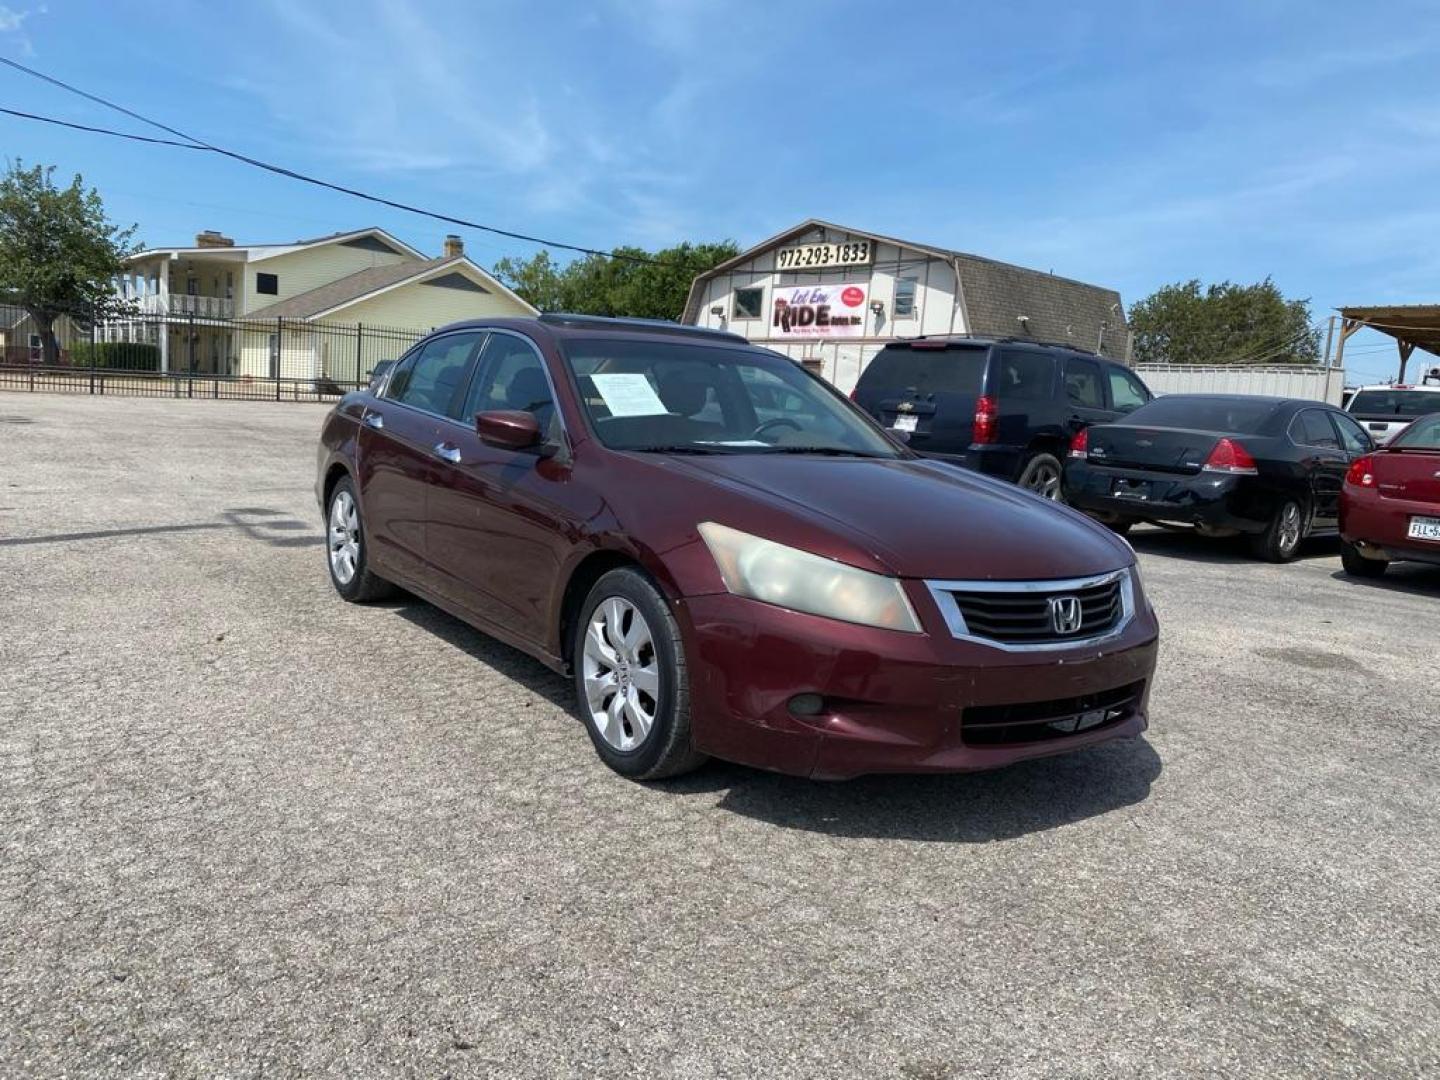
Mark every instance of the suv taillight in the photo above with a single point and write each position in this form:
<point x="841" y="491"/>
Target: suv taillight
<point x="986" y="411"/>
<point x="1362" y="473"/>
<point x="1229" y="456"/>
<point x="1080" y="444"/>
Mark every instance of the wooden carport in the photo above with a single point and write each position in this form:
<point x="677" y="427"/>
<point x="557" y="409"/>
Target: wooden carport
<point x="1413" y="326"/>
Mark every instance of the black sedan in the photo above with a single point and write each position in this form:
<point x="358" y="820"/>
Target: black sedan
<point x="1270" y="468"/>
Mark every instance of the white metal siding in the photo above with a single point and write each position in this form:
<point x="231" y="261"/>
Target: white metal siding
<point x="1306" y="381"/>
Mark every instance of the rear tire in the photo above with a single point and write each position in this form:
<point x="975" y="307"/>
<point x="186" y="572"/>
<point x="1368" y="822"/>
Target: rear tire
<point x="1357" y="565"/>
<point x="1281" y="540"/>
<point x="1041" y="476"/>
<point x="346" y="548"/>
<point x="631" y="681"/>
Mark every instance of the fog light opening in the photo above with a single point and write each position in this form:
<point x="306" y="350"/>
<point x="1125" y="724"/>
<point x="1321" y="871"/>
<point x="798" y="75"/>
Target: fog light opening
<point x="807" y="705"/>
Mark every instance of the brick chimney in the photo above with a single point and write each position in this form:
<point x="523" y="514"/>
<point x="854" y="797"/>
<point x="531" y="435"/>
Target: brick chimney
<point x="454" y="246"/>
<point x="211" y="238"/>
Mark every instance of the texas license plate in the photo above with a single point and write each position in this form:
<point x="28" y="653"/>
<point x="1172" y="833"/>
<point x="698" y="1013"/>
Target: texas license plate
<point x="1131" y="489"/>
<point x="905" y="423"/>
<point x="1424" y="528"/>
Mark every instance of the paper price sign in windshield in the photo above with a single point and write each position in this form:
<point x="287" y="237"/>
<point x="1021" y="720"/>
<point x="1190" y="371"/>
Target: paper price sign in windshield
<point x="628" y="394"/>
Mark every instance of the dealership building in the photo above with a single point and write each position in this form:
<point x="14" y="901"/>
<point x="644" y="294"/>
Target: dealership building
<point x="832" y="297"/>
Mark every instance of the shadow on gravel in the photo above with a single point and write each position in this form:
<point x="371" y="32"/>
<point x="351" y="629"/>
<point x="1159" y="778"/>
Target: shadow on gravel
<point x="1417" y="579"/>
<point x="1185" y="544"/>
<point x="969" y="808"/>
<point x="510" y="662"/>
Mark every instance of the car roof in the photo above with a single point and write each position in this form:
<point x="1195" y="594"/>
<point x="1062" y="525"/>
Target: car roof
<point x="562" y="325"/>
<point x="931" y="340"/>
<point x="1244" y="397"/>
<point x="1400" y="386"/>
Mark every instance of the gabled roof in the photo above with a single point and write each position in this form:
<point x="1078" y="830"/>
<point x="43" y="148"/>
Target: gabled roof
<point x="994" y="294"/>
<point x="364" y="284"/>
<point x="256" y="252"/>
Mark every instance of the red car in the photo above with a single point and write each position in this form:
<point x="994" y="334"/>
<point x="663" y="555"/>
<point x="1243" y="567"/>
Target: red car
<point x="728" y="557"/>
<point x="1390" y="504"/>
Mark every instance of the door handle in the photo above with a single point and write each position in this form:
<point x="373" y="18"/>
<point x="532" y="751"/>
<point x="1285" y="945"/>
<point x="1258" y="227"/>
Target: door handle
<point x="375" y="420"/>
<point x="448" y="453"/>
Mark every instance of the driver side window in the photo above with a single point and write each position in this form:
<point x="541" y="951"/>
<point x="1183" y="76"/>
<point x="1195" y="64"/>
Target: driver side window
<point x="511" y="376"/>
<point x="1127" y="393"/>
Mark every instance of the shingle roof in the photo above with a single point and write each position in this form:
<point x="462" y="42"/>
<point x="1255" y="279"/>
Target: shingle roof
<point x="347" y="289"/>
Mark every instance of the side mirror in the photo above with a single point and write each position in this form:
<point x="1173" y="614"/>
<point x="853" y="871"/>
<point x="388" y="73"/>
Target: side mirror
<point x="508" y="429"/>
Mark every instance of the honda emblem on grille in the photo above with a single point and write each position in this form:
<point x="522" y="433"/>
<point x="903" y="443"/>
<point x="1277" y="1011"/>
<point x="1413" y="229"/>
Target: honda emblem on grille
<point x="1065" y="614"/>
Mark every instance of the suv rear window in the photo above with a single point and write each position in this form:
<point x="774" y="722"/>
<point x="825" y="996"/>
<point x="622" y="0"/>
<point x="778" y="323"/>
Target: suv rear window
<point x="1394" y="403"/>
<point x="953" y="370"/>
<point x="1205" y="414"/>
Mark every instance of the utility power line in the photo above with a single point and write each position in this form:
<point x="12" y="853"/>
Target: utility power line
<point x="192" y="143"/>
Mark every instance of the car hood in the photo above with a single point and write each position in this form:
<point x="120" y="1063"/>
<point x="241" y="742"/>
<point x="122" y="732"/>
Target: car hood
<point x="912" y="518"/>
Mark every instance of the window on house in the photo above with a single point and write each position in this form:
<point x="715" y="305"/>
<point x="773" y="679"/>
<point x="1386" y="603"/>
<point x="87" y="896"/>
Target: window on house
<point x="905" y="297"/>
<point x="749" y="303"/>
<point x="268" y="284"/>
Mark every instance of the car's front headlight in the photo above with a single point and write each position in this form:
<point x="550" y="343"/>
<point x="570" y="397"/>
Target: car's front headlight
<point x="764" y="570"/>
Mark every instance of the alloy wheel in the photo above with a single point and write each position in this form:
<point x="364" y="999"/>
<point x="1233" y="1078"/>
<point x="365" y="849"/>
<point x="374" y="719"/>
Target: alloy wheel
<point x="1290" y="526"/>
<point x="344" y="537"/>
<point x="621" y="673"/>
<point x="1044" y="481"/>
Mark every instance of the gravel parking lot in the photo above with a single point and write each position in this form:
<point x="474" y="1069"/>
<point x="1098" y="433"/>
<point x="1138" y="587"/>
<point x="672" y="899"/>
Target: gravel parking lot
<point x="248" y="829"/>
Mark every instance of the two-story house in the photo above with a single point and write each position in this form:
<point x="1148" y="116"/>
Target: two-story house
<point x="289" y="310"/>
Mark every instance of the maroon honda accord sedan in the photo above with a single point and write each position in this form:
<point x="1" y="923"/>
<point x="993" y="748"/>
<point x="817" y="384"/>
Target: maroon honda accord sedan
<point x="728" y="557"/>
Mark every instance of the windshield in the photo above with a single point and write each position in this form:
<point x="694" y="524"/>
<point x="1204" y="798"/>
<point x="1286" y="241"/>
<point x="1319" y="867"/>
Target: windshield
<point x="1423" y="434"/>
<point x="668" y="396"/>
<point x="1204" y="414"/>
<point x="1394" y="402"/>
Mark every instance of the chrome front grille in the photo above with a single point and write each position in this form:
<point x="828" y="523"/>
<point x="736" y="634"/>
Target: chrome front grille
<point x="1018" y="615"/>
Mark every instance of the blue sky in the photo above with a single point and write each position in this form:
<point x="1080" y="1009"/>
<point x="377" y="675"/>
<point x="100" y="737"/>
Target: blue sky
<point x="1129" y="144"/>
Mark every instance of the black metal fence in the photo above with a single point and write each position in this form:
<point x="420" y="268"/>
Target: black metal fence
<point x="196" y="356"/>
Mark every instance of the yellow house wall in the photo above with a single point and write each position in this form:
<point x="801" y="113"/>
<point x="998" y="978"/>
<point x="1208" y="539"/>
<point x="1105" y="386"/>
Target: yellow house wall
<point x="419" y="307"/>
<point x="301" y="271"/>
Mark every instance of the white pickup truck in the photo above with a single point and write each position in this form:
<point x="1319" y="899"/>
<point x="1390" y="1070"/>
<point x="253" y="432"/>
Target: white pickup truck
<point x="1384" y="411"/>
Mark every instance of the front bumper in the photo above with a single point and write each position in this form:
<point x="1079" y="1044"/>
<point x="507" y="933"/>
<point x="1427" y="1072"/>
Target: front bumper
<point x="893" y="702"/>
<point x="1214" y="500"/>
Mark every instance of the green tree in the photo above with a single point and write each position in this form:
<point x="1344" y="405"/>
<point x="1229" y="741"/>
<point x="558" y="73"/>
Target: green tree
<point x="1226" y="323"/>
<point x="59" y="253"/>
<point x="629" y="281"/>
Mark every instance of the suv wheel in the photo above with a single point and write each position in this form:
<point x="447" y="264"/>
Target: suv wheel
<point x="1042" y="476"/>
<point x="631" y="679"/>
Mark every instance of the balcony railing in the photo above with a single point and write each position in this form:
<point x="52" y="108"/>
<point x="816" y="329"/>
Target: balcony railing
<point x="182" y="304"/>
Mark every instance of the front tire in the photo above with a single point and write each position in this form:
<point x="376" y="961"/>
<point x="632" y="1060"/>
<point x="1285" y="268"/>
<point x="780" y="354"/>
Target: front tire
<point x="1042" y="476"/>
<point x="1357" y="565"/>
<point x="346" y="548"/>
<point x="1280" y="542"/>
<point x="631" y="680"/>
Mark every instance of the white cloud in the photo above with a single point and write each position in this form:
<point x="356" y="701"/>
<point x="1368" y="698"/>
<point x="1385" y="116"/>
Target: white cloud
<point x="12" y="23"/>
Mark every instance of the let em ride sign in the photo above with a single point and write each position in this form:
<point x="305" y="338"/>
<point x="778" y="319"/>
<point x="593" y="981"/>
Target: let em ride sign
<point x="819" y="311"/>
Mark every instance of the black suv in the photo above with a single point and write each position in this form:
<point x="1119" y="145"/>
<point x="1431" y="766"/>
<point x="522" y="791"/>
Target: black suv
<point x="1004" y="407"/>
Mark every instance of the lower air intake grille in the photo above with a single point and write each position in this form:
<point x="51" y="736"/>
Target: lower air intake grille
<point x="1037" y="721"/>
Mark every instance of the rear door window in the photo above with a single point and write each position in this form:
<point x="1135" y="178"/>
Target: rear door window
<point x="1126" y="391"/>
<point x="431" y="381"/>
<point x="1082" y="383"/>
<point x="1313" y="428"/>
<point x="1022" y="374"/>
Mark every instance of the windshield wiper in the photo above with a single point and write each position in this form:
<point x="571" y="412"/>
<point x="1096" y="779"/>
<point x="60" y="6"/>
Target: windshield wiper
<point x="680" y="448"/>
<point x="827" y="451"/>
